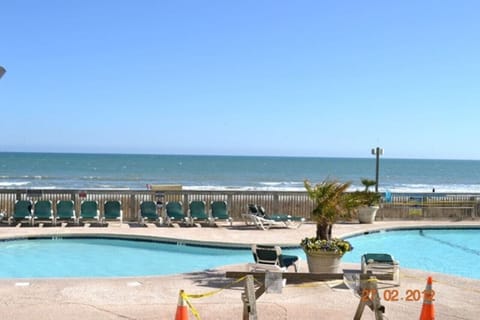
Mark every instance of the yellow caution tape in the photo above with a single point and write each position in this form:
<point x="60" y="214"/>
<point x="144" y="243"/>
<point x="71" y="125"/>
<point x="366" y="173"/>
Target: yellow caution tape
<point x="194" y="311"/>
<point x="211" y="293"/>
<point x="190" y="306"/>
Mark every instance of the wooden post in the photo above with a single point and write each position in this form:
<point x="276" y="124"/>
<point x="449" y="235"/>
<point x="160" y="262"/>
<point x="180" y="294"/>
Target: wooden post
<point x="276" y="203"/>
<point x="185" y="203"/>
<point x="133" y="212"/>
<point x="369" y="297"/>
<point x="474" y="208"/>
<point x="249" y="300"/>
<point x="230" y="203"/>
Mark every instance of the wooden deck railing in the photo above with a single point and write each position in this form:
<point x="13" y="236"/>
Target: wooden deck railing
<point x="400" y="206"/>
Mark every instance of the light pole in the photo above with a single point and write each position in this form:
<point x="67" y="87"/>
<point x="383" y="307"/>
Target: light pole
<point x="2" y="71"/>
<point x="378" y="152"/>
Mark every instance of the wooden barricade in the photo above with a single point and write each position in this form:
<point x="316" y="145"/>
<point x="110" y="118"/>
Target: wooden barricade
<point x="367" y="290"/>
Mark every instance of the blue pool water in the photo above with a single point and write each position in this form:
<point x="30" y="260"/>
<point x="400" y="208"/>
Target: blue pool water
<point x="100" y="257"/>
<point x="450" y="251"/>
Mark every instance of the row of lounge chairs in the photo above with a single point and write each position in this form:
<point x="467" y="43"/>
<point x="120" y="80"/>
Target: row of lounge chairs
<point x="42" y="210"/>
<point x="150" y="212"/>
<point x="197" y="213"/>
<point x="174" y="213"/>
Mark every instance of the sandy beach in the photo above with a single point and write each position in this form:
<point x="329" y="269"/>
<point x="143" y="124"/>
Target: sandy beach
<point x="156" y="297"/>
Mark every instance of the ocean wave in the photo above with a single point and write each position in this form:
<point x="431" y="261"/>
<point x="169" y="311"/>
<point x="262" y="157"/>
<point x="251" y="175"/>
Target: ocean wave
<point x="241" y="188"/>
<point x="13" y="184"/>
<point x="394" y="188"/>
<point x="282" y="183"/>
<point x="71" y="178"/>
<point x="44" y="188"/>
<point x="426" y="188"/>
<point x="286" y="186"/>
<point x="110" y="186"/>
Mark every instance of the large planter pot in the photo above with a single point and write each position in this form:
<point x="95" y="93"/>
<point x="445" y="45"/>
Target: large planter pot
<point x="367" y="214"/>
<point x="323" y="262"/>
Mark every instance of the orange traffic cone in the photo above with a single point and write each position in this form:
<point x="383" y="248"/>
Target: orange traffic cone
<point x="182" y="309"/>
<point x="428" y="310"/>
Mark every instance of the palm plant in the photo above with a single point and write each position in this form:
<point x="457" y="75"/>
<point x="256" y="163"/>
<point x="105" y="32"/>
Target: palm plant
<point x="331" y="203"/>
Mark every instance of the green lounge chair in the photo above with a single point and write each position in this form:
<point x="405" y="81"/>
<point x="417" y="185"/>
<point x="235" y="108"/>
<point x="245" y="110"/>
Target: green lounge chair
<point x="219" y="211"/>
<point x="271" y="258"/>
<point x="112" y="211"/>
<point x="381" y="263"/>
<point x="89" y="211"/>
<point x="22" y="211"/>
<point x="197" y="212"/>
<point x="174" y="212"/>
<point x="148" y="212"/>
<point x="43" y="211"/>
<point x="66" y="211"/>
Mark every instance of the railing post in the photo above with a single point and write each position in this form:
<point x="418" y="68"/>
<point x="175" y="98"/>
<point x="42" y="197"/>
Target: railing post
<point x="133" y="202"/>
<point x="475" y="208"/>
<point x="185" y="203"/>
<point x="276" y="203"/>
<point x="230" y="204"/>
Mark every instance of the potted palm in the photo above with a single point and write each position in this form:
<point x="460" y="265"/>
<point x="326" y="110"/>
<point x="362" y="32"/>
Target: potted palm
<point x="331" y="204"/>
<point x="369" y="202"/>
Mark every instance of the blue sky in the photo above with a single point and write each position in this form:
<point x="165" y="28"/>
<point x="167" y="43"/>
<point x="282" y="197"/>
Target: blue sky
<point x="286" y="78"/>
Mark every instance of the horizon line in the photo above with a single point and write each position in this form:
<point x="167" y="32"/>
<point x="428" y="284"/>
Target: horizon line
<point x="231" y="155"/>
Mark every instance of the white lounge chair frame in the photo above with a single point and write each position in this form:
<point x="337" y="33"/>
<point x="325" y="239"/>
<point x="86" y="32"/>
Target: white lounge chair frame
<point x="376" y="267"/>
<point x="265" y="224"/>
<point x="293" y="224"/>
<point x="256" y="215"/>
<point x="259" y="222"/>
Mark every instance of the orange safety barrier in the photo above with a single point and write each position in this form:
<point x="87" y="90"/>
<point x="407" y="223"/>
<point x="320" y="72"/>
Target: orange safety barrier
<point x="428" y="309"/>
<point x="182" y="309"/>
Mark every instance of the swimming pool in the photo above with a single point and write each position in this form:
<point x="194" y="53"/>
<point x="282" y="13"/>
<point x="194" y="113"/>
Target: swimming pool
<point x="450" y="251"/>
<point x="108" y="257"/>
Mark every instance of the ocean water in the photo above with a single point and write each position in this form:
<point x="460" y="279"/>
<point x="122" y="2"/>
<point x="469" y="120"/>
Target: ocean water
<point x="87" y="171"/>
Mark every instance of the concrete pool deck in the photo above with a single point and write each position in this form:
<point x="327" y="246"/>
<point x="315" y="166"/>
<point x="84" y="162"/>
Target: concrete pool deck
<point x="156" y="297"/>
